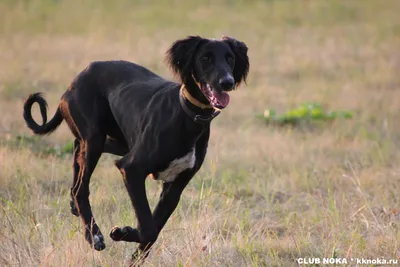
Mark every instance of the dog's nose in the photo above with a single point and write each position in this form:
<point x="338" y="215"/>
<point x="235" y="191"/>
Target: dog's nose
<point x="226" y="83"/>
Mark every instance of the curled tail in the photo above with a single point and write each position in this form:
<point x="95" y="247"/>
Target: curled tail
<point x="46" y="127"/>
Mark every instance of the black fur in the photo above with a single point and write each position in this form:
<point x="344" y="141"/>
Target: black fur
<point x="45" y="128"/>
<point x="125" y="109"/>
<point x="242" y="61"/>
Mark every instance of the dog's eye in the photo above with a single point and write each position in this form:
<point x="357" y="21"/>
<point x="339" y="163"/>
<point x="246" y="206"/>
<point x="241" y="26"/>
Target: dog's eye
<point x="206" y="59"/>
<point x="230" y="60"/>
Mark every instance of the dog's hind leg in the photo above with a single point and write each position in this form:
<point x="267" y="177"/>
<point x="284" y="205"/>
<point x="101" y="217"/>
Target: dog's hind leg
<point x="76" y="168"/>
<point x="87" y="154"/>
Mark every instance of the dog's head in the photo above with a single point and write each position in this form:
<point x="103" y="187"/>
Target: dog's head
<point x="210" y="68"/>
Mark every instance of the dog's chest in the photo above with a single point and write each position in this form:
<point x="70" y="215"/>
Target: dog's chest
<point x="177" y="166"/>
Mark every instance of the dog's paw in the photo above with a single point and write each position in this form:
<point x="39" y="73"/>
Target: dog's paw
<point x="98" y="242"/>
<point x="95" y="238"/>
<point x="139" y="256"/>
<point x="126" y="233"/>
<point x="117" y="233"/>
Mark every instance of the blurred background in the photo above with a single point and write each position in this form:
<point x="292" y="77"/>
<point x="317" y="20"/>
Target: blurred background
<point x="266" y="194"/>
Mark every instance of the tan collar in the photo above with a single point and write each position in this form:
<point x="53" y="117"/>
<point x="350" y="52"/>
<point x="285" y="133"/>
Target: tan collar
<point x="185" y="93"/>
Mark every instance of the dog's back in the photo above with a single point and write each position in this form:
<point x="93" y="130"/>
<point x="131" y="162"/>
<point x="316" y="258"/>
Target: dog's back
<point x="117" y="95"/>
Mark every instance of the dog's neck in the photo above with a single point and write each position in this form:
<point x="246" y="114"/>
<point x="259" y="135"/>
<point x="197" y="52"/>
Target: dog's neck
<point x="193" y="100"/>
<point x="199" y="112"/>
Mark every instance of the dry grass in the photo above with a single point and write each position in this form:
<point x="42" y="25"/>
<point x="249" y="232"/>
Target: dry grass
<point x="265" y="195"/>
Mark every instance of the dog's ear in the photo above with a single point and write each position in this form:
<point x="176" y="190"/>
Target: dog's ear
<point x="242" y="64"/>
<point x="180" y="56"/>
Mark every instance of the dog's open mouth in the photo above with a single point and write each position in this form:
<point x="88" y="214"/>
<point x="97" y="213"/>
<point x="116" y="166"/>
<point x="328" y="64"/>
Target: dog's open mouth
<point x="218" y="99"/>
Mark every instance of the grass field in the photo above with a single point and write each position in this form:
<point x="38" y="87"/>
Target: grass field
<point x="266" y="195"/>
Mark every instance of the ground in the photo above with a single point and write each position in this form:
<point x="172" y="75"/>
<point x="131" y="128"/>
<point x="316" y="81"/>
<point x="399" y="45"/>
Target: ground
<point x="266" y="195"/>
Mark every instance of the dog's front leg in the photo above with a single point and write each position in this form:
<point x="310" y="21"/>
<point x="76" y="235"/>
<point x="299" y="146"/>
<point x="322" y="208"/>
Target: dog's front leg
<point x="171" y="194"/>
<point x="134" y="179"/>
<point x="169" y="199"/>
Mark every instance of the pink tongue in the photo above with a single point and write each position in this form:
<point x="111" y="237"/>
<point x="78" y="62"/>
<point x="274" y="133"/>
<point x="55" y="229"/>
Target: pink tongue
<point x="221" y="97"/>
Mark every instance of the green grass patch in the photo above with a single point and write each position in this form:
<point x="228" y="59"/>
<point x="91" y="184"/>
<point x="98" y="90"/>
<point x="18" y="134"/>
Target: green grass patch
<point x="305" y="113"/>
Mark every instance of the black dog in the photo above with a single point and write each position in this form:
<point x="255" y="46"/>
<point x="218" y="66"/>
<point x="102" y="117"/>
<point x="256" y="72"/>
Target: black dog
<point x="161" y="128"/>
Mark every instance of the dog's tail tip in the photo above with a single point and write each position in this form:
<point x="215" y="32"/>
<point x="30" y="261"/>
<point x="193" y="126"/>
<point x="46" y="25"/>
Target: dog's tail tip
<point x="45" y="128"/>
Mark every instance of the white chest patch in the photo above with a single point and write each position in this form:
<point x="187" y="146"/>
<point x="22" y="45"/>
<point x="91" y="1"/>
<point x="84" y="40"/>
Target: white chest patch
<point x="177" y="166"/>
